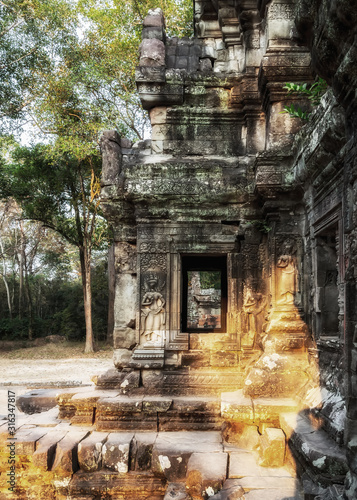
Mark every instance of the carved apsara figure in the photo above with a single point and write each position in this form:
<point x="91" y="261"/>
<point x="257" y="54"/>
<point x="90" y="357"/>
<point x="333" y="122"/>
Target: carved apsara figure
<point x="287" y="273"/>
<point x="254" y="305"/>
<point x="152" y="325"/>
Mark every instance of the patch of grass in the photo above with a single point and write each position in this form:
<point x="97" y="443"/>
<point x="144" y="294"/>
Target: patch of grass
<point x="62" y="350"/>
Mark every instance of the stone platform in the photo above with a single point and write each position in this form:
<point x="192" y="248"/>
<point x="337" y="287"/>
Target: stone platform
<point x="79" y="463"/>
<point x="100" y="444"/>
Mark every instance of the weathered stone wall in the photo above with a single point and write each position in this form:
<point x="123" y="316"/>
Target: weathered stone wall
<point x="326" y="166"/>
<point x="227" y="174"/>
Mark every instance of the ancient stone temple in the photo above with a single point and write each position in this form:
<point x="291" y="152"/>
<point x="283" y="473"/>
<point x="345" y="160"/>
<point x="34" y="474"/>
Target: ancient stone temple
<point x="235" y="234"/>
<point x="234" y="192"/>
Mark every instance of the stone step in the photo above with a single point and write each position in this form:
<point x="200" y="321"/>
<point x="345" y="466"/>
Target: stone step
<point x="328" y="411"/>
<point x="183" y="381"/>
<point x="109" y="410"/>
<point x="315" y="452"/>
<point x="81" y="463"/>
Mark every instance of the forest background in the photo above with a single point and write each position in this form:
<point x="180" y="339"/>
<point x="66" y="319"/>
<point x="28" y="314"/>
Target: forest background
<point x="66" y="74"/>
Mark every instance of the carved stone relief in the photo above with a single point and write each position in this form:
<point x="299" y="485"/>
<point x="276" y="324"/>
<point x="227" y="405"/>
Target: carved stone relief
<point x="253" y="318"/>
<point x="286" y="272"/>
<point x="153" y="314"/>
<point x="125" y="257"/>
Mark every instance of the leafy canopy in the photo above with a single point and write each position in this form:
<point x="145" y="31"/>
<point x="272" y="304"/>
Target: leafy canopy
<point x="69" y="66"/>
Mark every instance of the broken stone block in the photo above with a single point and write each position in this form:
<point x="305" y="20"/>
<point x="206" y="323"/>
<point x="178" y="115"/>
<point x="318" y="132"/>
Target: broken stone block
<point x="125" y="143"/>
<point x="45" y="449"/>
<point x="37" y="401"/>
<point x="66" y="457"/>
<point x="115" y="451"/>
<point x="90" y="451"/>
<point x="206" y="474"/>
<point x="176" y="491"/>
<point x="130" y="381"/>
<point x="111" y="378"/>
<point x="154" y="18"/>
<point x="236" y="407"/>
<point x="141" y="451"/>
<point x="152" y="52"/>
<point x="272" y="448"/>
<point x="122" y="357"/>
<point x="243" y="435"/>
<point x="231" y="491"/>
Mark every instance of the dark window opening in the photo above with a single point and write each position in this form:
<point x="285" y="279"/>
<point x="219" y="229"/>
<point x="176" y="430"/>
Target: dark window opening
<point x="327" y="283"/>
<point x="204" y="297"/>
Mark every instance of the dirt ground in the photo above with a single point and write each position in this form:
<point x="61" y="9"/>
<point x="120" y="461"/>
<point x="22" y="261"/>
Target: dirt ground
<point x="20" y="372"/>
<point x="51" y="371"/>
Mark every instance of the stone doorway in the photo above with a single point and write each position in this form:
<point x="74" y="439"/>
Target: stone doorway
<point x="204" y="294"/>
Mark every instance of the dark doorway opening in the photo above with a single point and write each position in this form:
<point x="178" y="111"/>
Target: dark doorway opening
<point x="204" y="294"/>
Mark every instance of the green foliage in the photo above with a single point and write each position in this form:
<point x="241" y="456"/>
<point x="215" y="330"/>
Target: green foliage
<point x="69" y="66"/>
<point x="296" y="112"/>
<point x="13" y="329"/>
<point x="208" y="279"/>
<point x="58" y="307"/>
<point x="54" y="190"/>
<point x="68" y="69"/>
<point x="261" y="225"/>
<point x="313" y="92"/>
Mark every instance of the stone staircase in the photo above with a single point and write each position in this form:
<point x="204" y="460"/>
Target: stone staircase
<point x="90" y="444"/>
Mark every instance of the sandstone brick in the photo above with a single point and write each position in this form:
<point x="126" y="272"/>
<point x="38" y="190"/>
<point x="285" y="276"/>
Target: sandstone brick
<point x="26" y="440"/>
<point x="46" y="448"/>
<point x="66" y="457"/>
<point x="206" y="473"/>
<point x="90" y="451"/>
<point x="156" y="404"/>
<point x="155" y="17"/>
<point x="122" y="357"/>
<point x="243" y="435"/>
<point x="272" y="448"/>
<point x="158" y="115"/>
<point x="152" y="52"/>
<point x="176" y="491"/>
<point x="141" y="451"/>
<point x="115" y="451"/>
<point x="235" y="406"/>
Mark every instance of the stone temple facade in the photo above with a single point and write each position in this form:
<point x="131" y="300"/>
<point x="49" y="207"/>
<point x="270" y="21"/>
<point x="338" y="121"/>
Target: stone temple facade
<point x="230" y="184"/>
<point x="235" y="234"/>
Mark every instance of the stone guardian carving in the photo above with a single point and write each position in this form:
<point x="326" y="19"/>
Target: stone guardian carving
<point x="287" y="273"/>
<point x="153" y="315"/>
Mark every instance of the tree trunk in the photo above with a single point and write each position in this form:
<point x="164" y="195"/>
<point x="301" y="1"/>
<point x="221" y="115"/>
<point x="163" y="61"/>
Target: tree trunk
<point x="21" y="269"/>
<point x="29" y="307"/>
<point x="111" y="285"/>
<point x="87" y="296"/>
<point x="5" y="279"/>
